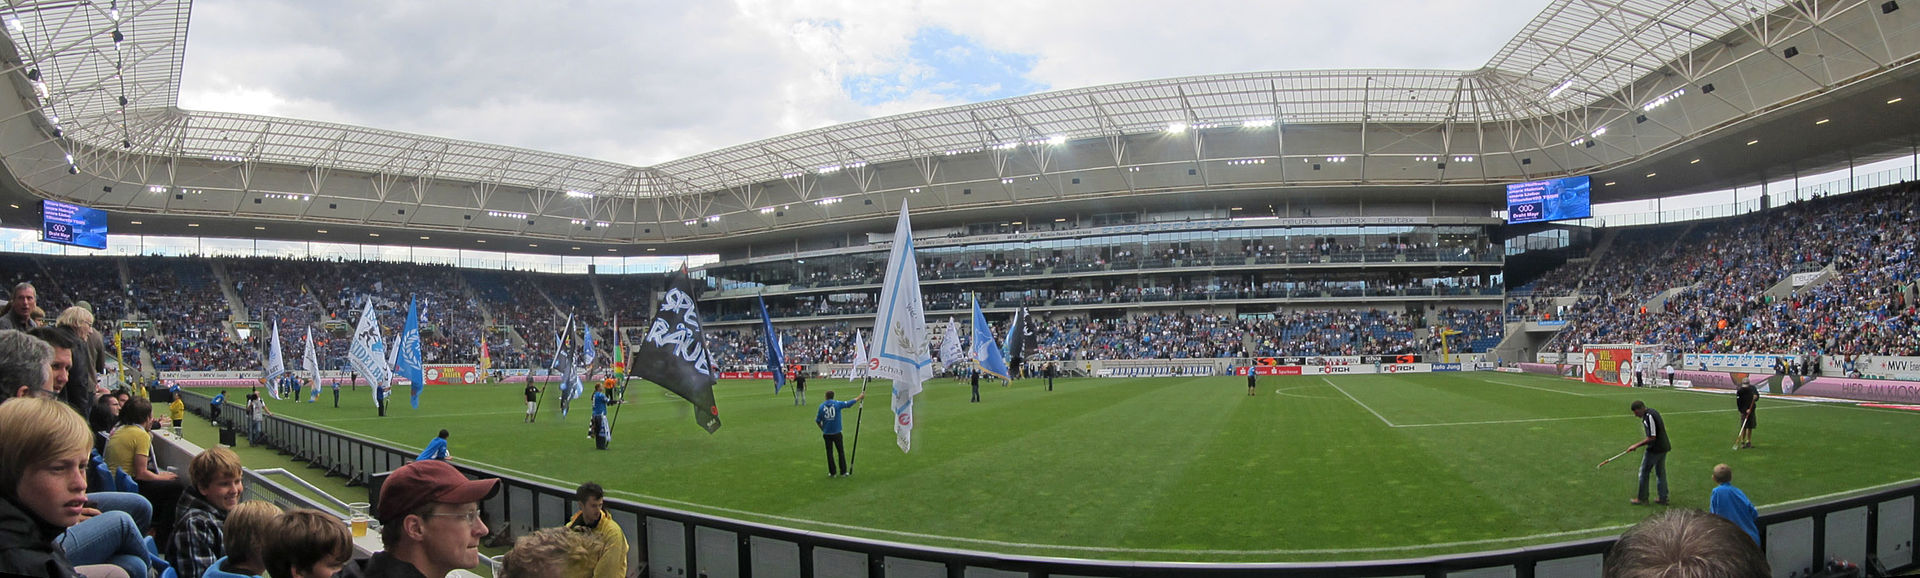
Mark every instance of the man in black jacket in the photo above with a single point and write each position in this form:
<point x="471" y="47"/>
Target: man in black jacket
<point x="1654" y="462"/>
<point x="1745" y="399"/>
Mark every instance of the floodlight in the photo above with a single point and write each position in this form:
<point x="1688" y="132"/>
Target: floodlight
<point x="1555" y="93"/>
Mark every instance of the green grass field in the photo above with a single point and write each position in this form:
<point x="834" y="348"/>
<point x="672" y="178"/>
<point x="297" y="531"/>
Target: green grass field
<point x="1356" y="467"/>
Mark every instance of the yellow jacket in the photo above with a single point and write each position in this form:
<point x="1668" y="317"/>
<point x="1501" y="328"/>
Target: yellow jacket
<point x="608" y="554"/>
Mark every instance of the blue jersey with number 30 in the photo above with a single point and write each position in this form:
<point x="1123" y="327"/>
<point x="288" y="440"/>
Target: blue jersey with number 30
<point x="829" y="418"/>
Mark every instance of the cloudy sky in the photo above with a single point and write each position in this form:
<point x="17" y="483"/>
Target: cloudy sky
<point x="645" y="82"/>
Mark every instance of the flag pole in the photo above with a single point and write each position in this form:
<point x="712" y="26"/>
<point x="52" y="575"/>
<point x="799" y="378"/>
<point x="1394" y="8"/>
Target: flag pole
<point x="857" y="416"/>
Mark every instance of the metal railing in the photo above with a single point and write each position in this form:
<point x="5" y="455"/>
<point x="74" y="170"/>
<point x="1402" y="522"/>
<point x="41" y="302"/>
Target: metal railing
<point x="1878" y="525"/>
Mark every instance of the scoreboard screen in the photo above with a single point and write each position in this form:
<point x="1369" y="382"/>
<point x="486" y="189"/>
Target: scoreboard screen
<point x="69" y="224"/>
<point x="1553" y="200"/>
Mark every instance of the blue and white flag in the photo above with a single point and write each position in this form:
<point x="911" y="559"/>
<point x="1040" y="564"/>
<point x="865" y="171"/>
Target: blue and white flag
<point x="950" y="343"/>
<point x="276" y="363"/>
<point x="986" y="353"/>
<point x="776" y="357"/>
<point x="900" y="348"/>
<point x="586" y="343"/>
<point x="310" y="363"/>
<point x="409" y="363"/>
<point x="560" y="343"/>
<point x="368" y="353"/>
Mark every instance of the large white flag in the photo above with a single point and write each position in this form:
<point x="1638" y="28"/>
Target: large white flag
<point x="861" y="361"/>
<point x="950" y="343"/>
<point x="900" y="351"/>
<point x="368" y="353"/>
<point x="310" y="363"/>
<point x="276" y="363"/>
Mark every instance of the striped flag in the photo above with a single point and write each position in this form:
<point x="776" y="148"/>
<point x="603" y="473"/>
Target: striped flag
<point x="900" y="350"/>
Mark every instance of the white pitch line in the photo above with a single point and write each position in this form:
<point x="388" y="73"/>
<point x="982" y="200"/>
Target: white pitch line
<point x="1550" y="390"/>
<point x="1363" y="405"/>
<point x="1543" y="419"/>
<point x="1284" y="390"/>
<point x="1106" y="549"/>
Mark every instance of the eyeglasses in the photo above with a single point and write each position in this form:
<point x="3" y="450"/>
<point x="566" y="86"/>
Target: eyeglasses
<point x="472" y="517"/>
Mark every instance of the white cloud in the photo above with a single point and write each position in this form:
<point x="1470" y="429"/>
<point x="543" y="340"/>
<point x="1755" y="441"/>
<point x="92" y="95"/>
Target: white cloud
<point x="648" y="82"/>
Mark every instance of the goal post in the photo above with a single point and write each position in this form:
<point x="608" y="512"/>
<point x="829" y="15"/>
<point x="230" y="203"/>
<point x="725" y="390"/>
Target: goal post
<point x="1625" y="364"/>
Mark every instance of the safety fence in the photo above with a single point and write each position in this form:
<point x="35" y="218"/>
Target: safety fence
<point x="1877" y="526"/>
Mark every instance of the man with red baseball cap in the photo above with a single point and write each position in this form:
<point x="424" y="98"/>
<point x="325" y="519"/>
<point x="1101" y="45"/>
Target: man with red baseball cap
<point x="430" y="518"/>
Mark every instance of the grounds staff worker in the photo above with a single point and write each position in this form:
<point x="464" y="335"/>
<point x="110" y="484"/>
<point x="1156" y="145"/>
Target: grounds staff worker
<point x="1655" y="460"/>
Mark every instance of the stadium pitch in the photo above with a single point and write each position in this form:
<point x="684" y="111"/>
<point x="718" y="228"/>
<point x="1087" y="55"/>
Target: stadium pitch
<point x="1182" y="469"/>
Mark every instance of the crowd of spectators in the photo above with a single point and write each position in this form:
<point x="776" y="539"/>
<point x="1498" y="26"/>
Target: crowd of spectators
<point x="1716" y="280"/>
<point x="1170" y="335"/>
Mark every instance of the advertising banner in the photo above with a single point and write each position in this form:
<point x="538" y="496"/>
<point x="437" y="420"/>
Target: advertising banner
<point x="1269" y="370"/>
<point x="1862" y="389"/>
<point x="1874" y="367"/>
<point x="452" y="374"/>
<point x="1733" y="361"/>
<point x="1609" y="365"/>
<point x="1446" y="367"/>
<point x="746" y="375"/>
<point x="1336" y="369"/>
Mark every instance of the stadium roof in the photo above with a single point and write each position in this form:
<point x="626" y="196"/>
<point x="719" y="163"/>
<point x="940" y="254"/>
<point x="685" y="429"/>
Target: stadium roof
<point x="108" y="78"/>
<point x="1576" y="51"/>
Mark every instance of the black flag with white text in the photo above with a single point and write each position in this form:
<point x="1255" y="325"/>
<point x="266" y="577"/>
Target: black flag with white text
<point x="674" y="354"/>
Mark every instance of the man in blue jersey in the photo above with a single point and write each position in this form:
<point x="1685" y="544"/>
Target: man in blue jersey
<point x="214" y="406"/>
<point x="597" y="426"/>
<point x="436" y="449"/>
<point x="1654" y="462"/>
<point x="829" y="421"/>
<point x="1731" y="503"/>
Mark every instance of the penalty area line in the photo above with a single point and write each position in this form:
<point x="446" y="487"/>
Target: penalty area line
<point x="1363" y="405"/>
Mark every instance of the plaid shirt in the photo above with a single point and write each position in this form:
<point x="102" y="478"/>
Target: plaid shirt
<point x="199" y="538"/>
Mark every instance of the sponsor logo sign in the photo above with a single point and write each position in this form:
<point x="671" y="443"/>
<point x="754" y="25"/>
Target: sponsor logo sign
<point x="1446" y="367"/>
<point x="452" y="375"/>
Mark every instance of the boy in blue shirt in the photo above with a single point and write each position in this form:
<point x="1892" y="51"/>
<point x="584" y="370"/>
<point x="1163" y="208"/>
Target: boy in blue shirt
<point x="829" y="421"/>
<point x="1731" y="503"/>
<point x="436" y="449"/>
<point x="597" y="427"/>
